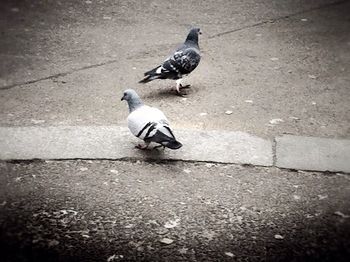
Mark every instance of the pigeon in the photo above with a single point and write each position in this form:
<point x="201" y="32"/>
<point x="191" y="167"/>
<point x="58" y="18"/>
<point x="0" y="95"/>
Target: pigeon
<point x="148" y="123"/>
<point x="182" y="62"/>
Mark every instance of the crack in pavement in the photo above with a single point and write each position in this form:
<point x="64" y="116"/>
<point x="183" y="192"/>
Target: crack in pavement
<point x="271" y="20"/>
<point x="59" y="74"/>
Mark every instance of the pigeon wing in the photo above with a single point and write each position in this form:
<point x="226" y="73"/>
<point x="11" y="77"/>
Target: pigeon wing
<point x="183" y="61"/>
<point x="145" y="119"/>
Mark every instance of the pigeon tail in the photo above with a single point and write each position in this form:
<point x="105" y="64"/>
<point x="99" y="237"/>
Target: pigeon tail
<point x="150" y="75"/>
<point x="168" y="141"/>
<point x="173" y="144"/>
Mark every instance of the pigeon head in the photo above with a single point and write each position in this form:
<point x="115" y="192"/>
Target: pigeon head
<point x="193" y="35"/>
<point x="133" y="99"/>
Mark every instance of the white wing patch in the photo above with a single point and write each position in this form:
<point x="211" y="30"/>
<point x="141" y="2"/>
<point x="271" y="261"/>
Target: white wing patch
<point x="159" y="70"/>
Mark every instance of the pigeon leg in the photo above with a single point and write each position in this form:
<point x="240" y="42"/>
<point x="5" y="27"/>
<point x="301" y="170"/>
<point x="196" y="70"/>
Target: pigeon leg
<point x="159" y="147"/>
<point x="178" y="87"/>
<point x="178" y="84"/>
<point x="142" y="147"/>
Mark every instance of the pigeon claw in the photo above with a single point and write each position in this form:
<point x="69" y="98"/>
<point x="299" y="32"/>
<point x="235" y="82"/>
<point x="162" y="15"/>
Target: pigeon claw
<point x="142" y="147"/>
<point x="159" y="147"/>
<point x="180" y="93"/>
<point x="185" y="87"/>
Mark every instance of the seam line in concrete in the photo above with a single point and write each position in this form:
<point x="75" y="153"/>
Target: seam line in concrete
<point x="272" y="20"/>
<point x="274" y="154"/>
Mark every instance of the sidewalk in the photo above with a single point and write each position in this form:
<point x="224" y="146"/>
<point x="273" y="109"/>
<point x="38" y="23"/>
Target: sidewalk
<point x="112" y="142"/>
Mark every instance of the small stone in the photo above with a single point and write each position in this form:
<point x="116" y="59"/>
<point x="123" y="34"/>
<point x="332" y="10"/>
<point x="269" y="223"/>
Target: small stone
<point x="17" y="179"/>
<point x="274" y="59"/>
<point x="203" y="114"/>
<point x="183" y="250"/>
<point x="312" y="76"/>
<point x="229" y="254"/>
<point x="249" y="101"/>
<point x="34" y="121"/>
<point x="278" y="237"/>
<point x="228" y="112"/>
<point x="313" y="103"/>
<point x="111" y="258"/>
<point x="303" y="20"/>
<point x="53" y="243"/>
<point x="294" y="118"/>
<point x="276" y="121"/>
<point x="83" y="169"/>
<point x="187" y="171"/>
<point x="107" y="17"/>
<point x="114" y="171"/>
<point x="88" y="2"/>
<point x="296" y="197"/>
<point x="166" y="241"/>
<point x="321" y="197"/>
<point x="338" y="213"/>
<point x="172" y="223"/>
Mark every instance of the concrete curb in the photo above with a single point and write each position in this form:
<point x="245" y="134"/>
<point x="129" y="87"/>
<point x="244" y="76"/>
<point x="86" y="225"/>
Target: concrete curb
<point x="113" y="142"/>
<point x="313" y="153"/>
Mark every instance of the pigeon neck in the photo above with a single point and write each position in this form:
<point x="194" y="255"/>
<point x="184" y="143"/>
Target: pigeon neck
<point x="192" y="38"/>
<point x="134" y="104"/>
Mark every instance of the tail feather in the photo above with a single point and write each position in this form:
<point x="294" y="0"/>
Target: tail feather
<point x="146" y="79"/>
<point x="165" y="140"/>
<point x="173" y="144"/>
<point x="151" y="72"/>
<point x="150" y="75"/>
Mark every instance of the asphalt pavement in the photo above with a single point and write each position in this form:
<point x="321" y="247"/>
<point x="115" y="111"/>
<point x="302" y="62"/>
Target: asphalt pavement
<point x="172" y="211"/>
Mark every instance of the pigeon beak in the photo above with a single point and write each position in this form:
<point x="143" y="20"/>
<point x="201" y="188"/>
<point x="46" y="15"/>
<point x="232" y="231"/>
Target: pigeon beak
<point x="200" y="32"/>
<point x="122" y="98"/>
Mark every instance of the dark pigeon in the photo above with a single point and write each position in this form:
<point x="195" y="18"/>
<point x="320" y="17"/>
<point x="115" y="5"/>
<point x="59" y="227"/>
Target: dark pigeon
<point x="182" y="62"/>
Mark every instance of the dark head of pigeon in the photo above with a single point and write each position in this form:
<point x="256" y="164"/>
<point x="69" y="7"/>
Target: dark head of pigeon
<point x="193" y="35"/>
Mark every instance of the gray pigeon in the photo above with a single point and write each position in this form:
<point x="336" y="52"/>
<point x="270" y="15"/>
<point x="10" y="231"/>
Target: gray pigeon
<point x="148" y="123"/>
<point x="182" y="62"/>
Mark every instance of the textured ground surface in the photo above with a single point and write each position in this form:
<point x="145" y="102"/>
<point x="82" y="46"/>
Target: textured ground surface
<point x="92" y="210"/>
<point x="67" y="63"/>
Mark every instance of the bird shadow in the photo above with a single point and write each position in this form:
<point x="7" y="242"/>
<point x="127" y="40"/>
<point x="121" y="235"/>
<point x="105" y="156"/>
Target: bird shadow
<point x="167" y="93"/>
<point x="151" y="152"/>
